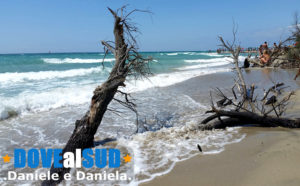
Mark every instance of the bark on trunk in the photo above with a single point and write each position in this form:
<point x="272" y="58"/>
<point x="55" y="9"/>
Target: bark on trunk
<point x="86" y="127"/>
<point x="237" y="118"/>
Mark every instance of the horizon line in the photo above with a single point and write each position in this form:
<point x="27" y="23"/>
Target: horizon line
<point x="103" y="52"/>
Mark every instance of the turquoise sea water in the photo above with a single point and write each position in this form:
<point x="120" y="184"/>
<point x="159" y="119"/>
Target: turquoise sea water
<point x="27" y="79"/>
<point x="47" y="93"/>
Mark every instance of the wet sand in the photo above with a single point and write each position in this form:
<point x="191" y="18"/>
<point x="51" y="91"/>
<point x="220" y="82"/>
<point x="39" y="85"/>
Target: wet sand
<point x="267" y="156"/>
<point x="264" y="157"/>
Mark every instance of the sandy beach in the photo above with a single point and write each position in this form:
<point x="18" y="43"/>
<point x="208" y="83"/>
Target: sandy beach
<point x="267" y="156"/>
<point x="264" y="157"/>
<point x="171" y="111"/>
<point x="150" y="93"/>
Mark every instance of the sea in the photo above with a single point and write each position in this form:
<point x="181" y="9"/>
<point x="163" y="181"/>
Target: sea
<point x="42" y="95"/>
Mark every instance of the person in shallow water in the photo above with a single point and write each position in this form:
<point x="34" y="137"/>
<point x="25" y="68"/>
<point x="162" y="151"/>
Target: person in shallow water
<point x="265" y="58"/>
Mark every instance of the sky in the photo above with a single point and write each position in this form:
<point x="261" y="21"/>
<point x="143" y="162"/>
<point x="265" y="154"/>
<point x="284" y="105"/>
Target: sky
<point x="32" y="26"/>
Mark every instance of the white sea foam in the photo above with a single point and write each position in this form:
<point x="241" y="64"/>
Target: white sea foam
<point x="155" y="153"/>
<point x="75" y="60"/>
<point x="172" y="54"/>
<point x="163" y="80"/>
<point x="10" y="77"/>
<point x="29" y="102"/>
<point x="76" y="94"/>
<point x="227" y="59"/>
<point x="206" y="65"/>
<point x="192" y="53"/>
<point x="212" y="54"/>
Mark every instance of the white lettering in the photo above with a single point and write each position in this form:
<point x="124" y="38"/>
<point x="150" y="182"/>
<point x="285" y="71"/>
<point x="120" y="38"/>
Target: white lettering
<point x="12" y="175"/>
<point x="69" y="160"/>
<point x="80" y="175"/>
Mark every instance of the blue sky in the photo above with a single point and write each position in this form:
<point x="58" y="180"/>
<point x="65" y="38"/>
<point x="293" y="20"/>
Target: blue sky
<point x="79" y="25"/>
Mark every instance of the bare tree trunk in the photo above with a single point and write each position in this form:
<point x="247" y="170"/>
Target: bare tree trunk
<point x="239" y="72"/>
<point x="235" y="52"/>
<point x="126" y="61"/>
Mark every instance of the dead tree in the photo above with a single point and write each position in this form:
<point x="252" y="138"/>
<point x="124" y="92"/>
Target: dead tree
<point x="247" y="107"/>
<point x="235" y="50"/>
<point x="235" y="113"/>
<point x="127" y="62"/>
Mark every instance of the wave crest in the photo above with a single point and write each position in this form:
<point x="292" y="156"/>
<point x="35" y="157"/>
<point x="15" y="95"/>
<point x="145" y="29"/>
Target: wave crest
<point x="75" y="60"/>
<point x="41" y="75"/>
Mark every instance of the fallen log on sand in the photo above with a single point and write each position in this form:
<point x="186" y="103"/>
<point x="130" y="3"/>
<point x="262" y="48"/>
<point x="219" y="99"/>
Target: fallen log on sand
<point x="246" y="108"/>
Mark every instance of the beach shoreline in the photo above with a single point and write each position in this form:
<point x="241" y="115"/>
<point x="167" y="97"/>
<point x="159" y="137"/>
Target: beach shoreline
<point x="185" y="101"/>
<point x="266" y="156"/>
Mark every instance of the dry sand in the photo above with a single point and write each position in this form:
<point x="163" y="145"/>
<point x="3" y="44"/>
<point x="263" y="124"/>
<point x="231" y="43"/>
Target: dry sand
<point x="267" y="156"/>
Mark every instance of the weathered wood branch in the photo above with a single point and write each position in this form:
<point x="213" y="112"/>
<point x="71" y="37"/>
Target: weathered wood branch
<point x="85" y="128"/>
<point x="238" y="114"/>
<point x="109" y="47"/>
<point x="235" y="52"/>
<point x="236" y="118"/>
<point x="272" y="89"/>
<point x="255" y="62"/>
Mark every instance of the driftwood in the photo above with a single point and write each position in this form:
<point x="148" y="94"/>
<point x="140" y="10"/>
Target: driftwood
<point x="254" y="62"/>
<point x="235" y="52"/>
<point x="279" y="61"/>
<point x="266" y="112"/>
<point x="127" y="62"/>
<point x="244" y="107"/>
<point x="237" y="118"/>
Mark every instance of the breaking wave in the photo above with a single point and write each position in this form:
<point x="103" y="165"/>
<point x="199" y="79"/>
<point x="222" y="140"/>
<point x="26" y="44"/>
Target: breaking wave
<point x="75" y="60"/>
<point x="172" y="54"/>
<point x="223" y="59"/>
<point x="41" y="75"/>
<point x="206" y="65"/>
<point x="212" y="54"/>
<point x="213" y="60"/>
<point x="29" y="102"/>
